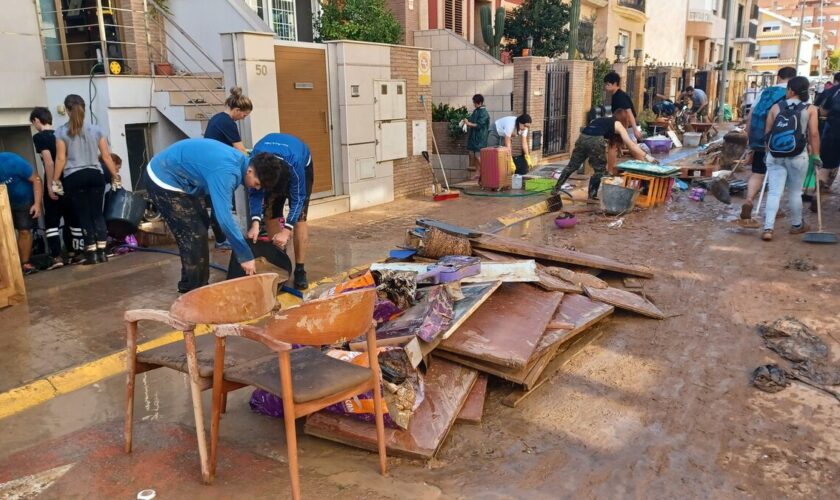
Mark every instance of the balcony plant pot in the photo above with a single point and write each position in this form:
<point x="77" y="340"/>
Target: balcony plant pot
<point x="164" y="69"/>
<point x="526" y="52"/>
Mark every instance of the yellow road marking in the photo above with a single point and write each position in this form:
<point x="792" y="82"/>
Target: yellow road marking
<point x="42" y="390"/>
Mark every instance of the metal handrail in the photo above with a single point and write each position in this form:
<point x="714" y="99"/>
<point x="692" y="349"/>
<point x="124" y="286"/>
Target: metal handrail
<point x="186" y="35"/>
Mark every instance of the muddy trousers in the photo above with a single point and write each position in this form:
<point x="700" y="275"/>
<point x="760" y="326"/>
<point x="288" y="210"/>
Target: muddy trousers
<point x="84" y="190"/>
<point x="587" y="147"/>
<point x="783" y="172"/>
<point x="187" y="218"/>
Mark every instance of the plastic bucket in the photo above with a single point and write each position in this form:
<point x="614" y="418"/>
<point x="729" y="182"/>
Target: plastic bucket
<point x="617" y="199"/>
<point x="691" y="139"/>
<point x="123" y="212"/>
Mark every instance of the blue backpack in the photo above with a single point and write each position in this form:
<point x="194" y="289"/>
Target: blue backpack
<point x="760" y="110"/>
<point x="786" y="139"/>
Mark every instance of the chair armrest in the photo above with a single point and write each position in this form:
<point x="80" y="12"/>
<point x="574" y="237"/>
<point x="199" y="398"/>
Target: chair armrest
<point x="158" y="315"/>
<point x="255" y="333"/>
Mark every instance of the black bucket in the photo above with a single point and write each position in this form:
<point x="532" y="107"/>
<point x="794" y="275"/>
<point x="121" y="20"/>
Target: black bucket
<point x="123" y="212"/>
<point x="269" y="258"/>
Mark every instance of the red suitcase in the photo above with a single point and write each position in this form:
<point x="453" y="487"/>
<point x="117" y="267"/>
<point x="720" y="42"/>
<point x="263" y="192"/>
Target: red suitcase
<point x="495" y="168"/>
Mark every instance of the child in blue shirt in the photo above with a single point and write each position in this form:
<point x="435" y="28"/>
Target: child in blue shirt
<point x="25" y="196"/>
<point x="179" y="178"/>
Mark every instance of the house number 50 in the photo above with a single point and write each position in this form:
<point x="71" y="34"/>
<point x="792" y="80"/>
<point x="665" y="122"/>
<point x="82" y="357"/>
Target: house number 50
<point x="262" y="70"/>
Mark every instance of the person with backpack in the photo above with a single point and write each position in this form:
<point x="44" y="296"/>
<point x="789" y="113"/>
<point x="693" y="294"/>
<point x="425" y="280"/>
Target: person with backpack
<point x="792" y="128"/>
<point x="756" y="124"/>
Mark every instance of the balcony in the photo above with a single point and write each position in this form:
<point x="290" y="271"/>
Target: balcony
<point x="633" y="10"/>
<point x="596" y="3"/>
<point x="700" y="24"/>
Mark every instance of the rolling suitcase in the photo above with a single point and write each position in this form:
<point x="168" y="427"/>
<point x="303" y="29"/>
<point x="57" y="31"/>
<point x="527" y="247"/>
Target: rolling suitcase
<point x="495" y="168"/>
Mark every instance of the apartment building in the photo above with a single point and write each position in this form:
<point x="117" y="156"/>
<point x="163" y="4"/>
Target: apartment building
<point x="821" y="17"/>
<point x="778" y="40"/>
<point x="706" y="28"/>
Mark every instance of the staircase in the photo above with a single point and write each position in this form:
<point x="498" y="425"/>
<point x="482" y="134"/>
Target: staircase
<point x="189" y="101"/>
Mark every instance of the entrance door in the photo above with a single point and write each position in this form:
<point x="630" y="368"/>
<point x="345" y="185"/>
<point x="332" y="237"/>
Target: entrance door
<point x="304" y="106"/>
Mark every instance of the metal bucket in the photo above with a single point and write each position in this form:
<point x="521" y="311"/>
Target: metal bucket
<point x="617" y="199"/>
<point x="123" y="212"/>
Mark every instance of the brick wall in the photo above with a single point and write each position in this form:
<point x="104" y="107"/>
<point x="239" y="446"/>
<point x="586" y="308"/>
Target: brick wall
<point x="411" y="174"/>
<point x="409" y="19"/>
<point x="136" y="49"/>
<point x="580" y="97"/>
<point x="534" y="102"/>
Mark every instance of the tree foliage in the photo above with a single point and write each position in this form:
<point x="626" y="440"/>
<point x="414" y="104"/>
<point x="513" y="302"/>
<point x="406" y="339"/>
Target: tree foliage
<point x="361" y="20"/>
<point x="544" y="20"/>
<point x="834" y="61"/>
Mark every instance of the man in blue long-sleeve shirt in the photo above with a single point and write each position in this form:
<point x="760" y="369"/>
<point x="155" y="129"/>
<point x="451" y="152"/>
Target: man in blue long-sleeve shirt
<point x="297" y="187"/>
<point x="181" y="175"/>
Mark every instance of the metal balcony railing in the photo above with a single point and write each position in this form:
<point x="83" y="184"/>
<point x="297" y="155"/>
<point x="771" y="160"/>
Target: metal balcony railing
<point x="109" y="37"/>
<point x="633" y="4"/>
<point x="703" y="16"/>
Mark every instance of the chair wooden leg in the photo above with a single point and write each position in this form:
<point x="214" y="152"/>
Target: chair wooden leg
<point x="289" y="420"/>
<point x="198" y="411"/>
<point x="380" y="426"/>
<point x="219" y="401"/>
<point x="131" y="373"/>
<point x="224" y="402"/>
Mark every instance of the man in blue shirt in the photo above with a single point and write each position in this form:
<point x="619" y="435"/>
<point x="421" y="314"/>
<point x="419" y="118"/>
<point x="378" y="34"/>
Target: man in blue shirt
<point x="297" y="187"/>
<point x="181" y="175"/>
<point x="25" y="196"/>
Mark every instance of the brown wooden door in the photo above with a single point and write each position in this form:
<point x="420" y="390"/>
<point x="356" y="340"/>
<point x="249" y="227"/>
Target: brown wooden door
<point x="304" y="106"/>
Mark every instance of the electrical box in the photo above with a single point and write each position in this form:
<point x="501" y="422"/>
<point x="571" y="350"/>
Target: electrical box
<point x="366" y="168"/>
<point x="391" y="140"/>
<point x="389" y="100"/>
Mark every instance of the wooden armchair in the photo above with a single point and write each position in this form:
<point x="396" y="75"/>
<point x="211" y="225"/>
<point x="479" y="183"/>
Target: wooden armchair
<point x="306" y="379"/>
<point x="241" y="299"/>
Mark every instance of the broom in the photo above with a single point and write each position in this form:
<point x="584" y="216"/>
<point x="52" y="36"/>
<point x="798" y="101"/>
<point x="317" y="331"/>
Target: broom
<point x="819" y="236"/>
<point x="439" y="194"/>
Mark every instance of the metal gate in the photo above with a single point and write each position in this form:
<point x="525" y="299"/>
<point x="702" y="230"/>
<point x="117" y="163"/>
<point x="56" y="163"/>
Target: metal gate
<point x="556" y="126"/>
<point x="630" y="83"/>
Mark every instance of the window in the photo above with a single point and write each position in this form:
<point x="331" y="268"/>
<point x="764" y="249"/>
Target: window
<point x="769" y="52"/>
<point x="834" y="18"/>
<point x="820" y="19"/>
<point x="283" y="19"/>
<point x="770" y="27"/>
<point x="808" y="19"/>
<point x="453" y="12"/>
<point x="624" y="41"/>
<point x="586" y="35"/>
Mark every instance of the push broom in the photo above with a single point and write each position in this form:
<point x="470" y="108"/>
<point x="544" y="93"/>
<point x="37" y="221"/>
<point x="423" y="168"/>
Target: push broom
<point x="820" y="236"/>
<point x="438" y="194"/>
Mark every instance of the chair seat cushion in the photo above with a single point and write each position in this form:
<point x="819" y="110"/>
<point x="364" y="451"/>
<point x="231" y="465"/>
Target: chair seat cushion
<point x="174" y="355"/>
<point x="314" y="375"/>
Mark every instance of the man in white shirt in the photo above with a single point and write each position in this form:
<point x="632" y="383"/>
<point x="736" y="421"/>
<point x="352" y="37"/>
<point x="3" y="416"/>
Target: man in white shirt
<point x="501" y="134"/>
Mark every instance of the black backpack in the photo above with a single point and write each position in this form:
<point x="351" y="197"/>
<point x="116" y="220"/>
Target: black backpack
<point x="786" y="138"/>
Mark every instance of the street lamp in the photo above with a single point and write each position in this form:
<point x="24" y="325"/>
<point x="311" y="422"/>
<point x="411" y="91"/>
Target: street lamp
<point x="637" y="54"/>
<point x="619" y="51"/>
<point x="530" y="43"/>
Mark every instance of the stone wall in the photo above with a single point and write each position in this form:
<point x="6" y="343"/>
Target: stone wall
<point x="411" y="174"/>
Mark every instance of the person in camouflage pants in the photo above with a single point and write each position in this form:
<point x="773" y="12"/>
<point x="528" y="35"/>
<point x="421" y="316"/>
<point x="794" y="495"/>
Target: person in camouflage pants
<point x="598" y="143"/>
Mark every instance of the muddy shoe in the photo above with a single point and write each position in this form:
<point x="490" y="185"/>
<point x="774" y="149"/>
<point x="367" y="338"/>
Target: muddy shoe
<point x="748" y="223"/>
<point x="802" y="228"/>
<point x="813" y="206"/>
<point x="746" y="210"/>
<point x="767" y="235"/>
<point x="301" y="283"/>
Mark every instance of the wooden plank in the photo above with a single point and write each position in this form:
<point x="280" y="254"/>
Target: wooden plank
<point x="625" y="300"/>
<point x="448" y="228"/>
<point x="12" y="287"/>
<point x="559" y="255"/>
<point x="515" y="271"/>
<point x="578" y="279"/>
<point x="577" y="309"/>
<point x="546" y="282"/>
<point x="474" y="297"/>
<point x="473" y="409"/>
<point x="507" y="328"/>
<point x="563" y="356"/>
<point x="447" y="387"/>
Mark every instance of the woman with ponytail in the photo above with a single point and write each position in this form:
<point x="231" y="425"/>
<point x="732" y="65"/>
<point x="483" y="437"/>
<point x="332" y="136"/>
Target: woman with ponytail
<point x="222" y="127"/>
<point x="78" y="148"/>
<point x="792" y="131"/>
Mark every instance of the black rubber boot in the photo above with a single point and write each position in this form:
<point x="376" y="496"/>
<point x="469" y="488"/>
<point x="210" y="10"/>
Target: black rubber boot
<point x="301" y="283"/>
<point x="101" y="258"/>
<point x="594" y="186"/>
<point x="90" y="258"/>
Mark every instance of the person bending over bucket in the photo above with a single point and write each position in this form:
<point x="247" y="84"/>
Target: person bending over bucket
<point x="178" y="179"/>
<point x="599" y="143"/>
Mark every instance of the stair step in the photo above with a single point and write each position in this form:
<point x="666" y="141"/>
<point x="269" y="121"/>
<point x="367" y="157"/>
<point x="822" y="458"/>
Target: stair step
<point x="182" y="98"/>
<point x="189" y="83"/>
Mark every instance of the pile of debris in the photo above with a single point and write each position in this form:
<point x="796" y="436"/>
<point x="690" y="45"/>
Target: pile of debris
<point x="463" y="306"/>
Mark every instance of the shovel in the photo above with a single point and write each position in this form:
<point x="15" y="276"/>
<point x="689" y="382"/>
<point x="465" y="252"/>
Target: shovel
<point x="820" y="236"/>
<point x="720" y="186"/>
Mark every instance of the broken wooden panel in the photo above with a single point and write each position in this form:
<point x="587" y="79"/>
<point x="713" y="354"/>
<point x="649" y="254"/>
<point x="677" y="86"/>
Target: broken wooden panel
<point x="506" y="329"/>
<point x="514" y="271"/>
<point x="525" y="249"/>
<point x="578" y="279"/>
<point x="474" y="297"/>
<point x="625" y="300"/>
<point x="474" y="407"/>
<point x="447" y="387"/>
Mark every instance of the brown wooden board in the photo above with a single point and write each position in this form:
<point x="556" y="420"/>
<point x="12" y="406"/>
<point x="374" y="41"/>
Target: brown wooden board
<point x="447" y="387"/>
<point x="578" y="279"/>
<point x="577" y="309"/>
<point x="474" y="407"/>
<point x="625" y="300"/>
<point x="564" y="354"/>
<point x="506" y="329"/>
<point x="522" y="248"/>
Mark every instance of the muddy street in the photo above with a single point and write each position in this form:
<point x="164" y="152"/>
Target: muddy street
<point x="657" y="409"/>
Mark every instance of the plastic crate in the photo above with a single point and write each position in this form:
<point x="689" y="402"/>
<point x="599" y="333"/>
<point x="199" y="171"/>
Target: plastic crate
<point x="539" y="184"/>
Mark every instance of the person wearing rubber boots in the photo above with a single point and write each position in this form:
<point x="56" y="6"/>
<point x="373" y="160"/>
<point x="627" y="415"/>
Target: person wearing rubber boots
<point x="599" y="143"/>
<point x="297" y="188"/>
